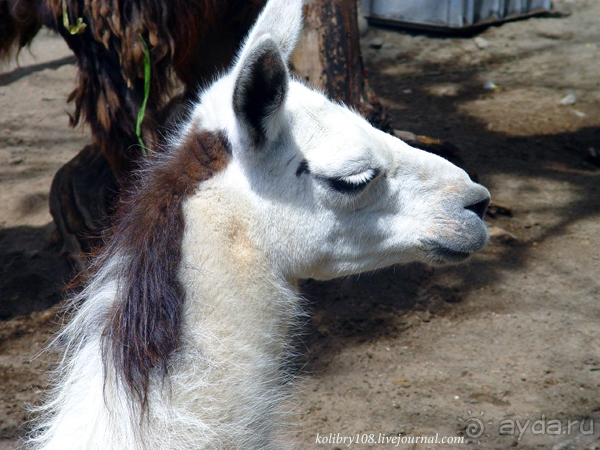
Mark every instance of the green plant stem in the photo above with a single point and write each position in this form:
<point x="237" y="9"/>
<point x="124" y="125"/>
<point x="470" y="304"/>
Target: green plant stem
<point x="142" y="112"/>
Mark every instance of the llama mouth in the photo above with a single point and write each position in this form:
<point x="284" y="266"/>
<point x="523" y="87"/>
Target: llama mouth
<point x="445" y="254"/>
<point x="441" y="253"/>
<point x="459" y="244"/>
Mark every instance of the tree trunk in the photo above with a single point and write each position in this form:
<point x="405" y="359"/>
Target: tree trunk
<point x="328" y="57"/>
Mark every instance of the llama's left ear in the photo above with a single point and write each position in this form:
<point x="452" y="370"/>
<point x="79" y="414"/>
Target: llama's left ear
<point x="260" y="89"/>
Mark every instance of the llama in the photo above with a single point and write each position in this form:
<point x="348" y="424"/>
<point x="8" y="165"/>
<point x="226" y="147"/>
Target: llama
<point x="180" y="338"/>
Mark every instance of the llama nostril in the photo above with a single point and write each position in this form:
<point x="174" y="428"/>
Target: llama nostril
<point x="480" y="207"/>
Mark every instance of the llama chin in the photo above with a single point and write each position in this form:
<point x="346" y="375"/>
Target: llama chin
<point x="179" y="338"/>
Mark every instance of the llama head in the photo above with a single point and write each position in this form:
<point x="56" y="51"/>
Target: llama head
<point x="330" y="195"/>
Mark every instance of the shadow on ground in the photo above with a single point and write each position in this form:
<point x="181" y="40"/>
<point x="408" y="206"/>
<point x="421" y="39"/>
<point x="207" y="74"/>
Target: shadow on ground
<point x="33" y="273"/>
<point x="384" y="304"/>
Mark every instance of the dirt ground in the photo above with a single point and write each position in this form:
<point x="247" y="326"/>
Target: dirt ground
<point x="508" y="342"/>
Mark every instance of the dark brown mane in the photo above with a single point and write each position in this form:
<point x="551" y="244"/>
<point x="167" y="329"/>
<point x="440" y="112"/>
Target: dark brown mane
<point x="145" y="328"/>
<point x="190" y="39"/>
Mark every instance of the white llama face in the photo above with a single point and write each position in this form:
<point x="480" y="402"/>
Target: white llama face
<point x="330" y="194"/>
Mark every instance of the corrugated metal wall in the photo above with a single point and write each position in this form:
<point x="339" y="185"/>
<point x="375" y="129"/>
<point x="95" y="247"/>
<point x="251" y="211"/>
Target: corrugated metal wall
<point x="450" y="13"/>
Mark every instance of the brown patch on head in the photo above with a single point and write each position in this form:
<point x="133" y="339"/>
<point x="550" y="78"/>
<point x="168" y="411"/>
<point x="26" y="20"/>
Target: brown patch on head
<point x="145" y="325"/>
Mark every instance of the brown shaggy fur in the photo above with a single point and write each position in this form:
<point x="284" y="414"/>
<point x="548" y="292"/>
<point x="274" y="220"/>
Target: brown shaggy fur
<point x="188" y="39"/>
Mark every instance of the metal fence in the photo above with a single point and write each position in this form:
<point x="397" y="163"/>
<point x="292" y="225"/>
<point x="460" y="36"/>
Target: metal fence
<point x="450" y="14"/>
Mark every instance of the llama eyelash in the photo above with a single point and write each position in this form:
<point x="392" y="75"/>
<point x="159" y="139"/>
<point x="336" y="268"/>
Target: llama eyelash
<point x="352" y="184"/>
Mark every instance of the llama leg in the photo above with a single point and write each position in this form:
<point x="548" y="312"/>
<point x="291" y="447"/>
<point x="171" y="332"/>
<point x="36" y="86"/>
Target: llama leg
<point x="81" y="196"/>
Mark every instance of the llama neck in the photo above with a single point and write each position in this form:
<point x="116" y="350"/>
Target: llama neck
<point x="237" y="319"/>
<point x="232" y="291"/>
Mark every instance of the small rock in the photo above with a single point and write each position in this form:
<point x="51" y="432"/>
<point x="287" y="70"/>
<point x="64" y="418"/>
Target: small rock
<point x="376" y="43"/>
<point x="424" y="316"/>
<point x="580" y="114"/>
<point x="444" y="89"/>
<point x="556" y="34"/>
<point x="568" y="100"/>
<point x="502" y="235"/>
<point x="32" y="254"/>
<point x="15" y="161"/>
<point x="482" y="397"/>
<point x="593" y="155"/>
<point x="481" y="42"/>
<point x="14" y="141"/>
<point x="496" y="209"/>
<point x="405" y="135"/>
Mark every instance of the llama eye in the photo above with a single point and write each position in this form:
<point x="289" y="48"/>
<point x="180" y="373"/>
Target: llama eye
<point x="352" y="184"/>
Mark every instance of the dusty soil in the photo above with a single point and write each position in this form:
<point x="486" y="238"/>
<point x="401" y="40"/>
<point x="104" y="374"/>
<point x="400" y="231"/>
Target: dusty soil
<point x="510" y="337"/>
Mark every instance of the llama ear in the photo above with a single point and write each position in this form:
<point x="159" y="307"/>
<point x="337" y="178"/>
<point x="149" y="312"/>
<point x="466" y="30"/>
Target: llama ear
<point x="282" y="20"/>
<point x="260" y="89"/>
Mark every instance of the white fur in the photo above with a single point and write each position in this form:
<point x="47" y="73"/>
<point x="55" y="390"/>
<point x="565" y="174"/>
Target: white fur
<point x="251" y="232"/>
